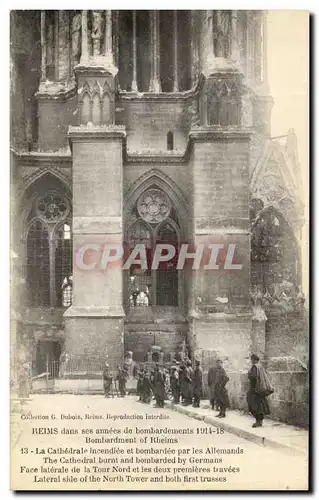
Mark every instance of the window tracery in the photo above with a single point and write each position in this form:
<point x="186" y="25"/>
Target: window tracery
<point x="49" y="252"/>
<point x="155" y="224"/>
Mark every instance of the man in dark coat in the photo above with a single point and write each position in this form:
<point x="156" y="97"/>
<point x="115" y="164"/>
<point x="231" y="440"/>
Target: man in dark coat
<point x="107" y="380"/>
<point x="257" y="402"/>
<point x="174" y="380"/>
<point x="181" y="378"/>
<point x="147" y="387"/>
<point x="197" y="384"/>
<point x="122" y="377"/>
<point x="159" y="386"/>
<point x="221" y="394"/>
<point x="140" y="384"/>
<point x="188" y="382"/>
<point x="211" y="378"/>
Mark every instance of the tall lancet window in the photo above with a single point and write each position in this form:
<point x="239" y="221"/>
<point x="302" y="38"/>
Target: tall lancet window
<point x="48" y="265"/>
<point x="155" y="223"/>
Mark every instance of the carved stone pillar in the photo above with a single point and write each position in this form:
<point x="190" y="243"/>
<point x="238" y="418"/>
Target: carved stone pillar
<point x="249" y="47"/>
<point x="134" y="80"/>
<point x="208" y="57"/>
<point x="116" y="38"/>
<point x="64" y="45"/>
<point x="194" y="48"/>
<point x="108" y="33"/>
<point x="175" y="50"/>
<point x="155" y="85"/>
<point x="84" y="41"/>
<point x="43" y="48"/>
<point x="56" y="45"/>
<point x="258" y="48"/>
<point x="264" y="50"/>
<point x="234" y="36"/>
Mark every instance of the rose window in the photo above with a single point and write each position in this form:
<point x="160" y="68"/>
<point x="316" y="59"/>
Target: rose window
<point x="52" y="207"/>
<point x="154" y="206"/>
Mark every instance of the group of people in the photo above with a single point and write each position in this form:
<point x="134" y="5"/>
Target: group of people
<point x="184" y="384"/>
<point x="115" y="383"/>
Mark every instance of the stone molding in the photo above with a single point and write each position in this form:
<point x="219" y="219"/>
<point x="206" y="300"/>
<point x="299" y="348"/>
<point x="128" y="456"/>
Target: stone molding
<point x="90" y="132"/>
<point x="220" y="133"/>
<point x="94" y="312"/>
<point x="97" y="225"/>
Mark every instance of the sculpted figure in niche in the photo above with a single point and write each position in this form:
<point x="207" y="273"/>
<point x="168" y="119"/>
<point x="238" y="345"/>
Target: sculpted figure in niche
<point x="222" y="32"/>
<point x="50" y="48"/>
<point x="76" y="37"/>
<point x="97" y="31"/>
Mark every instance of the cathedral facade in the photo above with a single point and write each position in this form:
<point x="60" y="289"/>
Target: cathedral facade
<point x="150" y="127"/>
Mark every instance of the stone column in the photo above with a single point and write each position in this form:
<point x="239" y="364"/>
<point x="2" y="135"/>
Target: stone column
<point x="94" y="324"/>
<point x="116" y="37"/>
<point x="220" y="313"/>
<point x="264" y="49"/>
<point x="84" y="39"/>
<point x="64" y="46"/>
<point x="258" y="48"/>
<point x="234" y="36"/>
<point x="249" y="46"/>
<point x="56" y="45"/>
<point x="207" y="42"/>
<point x="134" y="80"/>
<point x="108" y="33"/>
<point x="175" y="50"/>
<point x="155" y="84"/>
<point x="194" y="48"/>
<point x="43" y="49"/>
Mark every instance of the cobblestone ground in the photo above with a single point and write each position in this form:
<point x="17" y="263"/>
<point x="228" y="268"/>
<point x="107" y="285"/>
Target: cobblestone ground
<point x="199" y="453"/>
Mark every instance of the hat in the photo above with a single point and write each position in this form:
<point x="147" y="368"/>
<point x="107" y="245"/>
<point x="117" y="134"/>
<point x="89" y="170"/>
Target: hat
<point x="254" y="357"/>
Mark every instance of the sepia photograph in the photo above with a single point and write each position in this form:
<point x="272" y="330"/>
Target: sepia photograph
<point x="159" y="250"/>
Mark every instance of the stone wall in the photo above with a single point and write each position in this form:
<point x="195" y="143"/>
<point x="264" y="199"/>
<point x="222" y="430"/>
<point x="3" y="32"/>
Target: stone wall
<point x="147" y="123"/>
<point x="287" y="335"/>
<point x="288" y="403"/>
<point x="55" y="116"/>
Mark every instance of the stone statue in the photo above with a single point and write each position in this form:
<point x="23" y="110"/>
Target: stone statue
<point x="222" y="31"/>
<point x="50" y="51"/>
<point x="76" y="37"/>
<point x="97" y="31"/>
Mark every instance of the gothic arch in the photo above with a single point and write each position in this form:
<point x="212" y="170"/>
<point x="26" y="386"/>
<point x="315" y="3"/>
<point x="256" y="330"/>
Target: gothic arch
<point x="40" y="174"/>
<point x="55" y="180"/>
<point x="157" y="179"/>
<point x="275" y="252"/>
